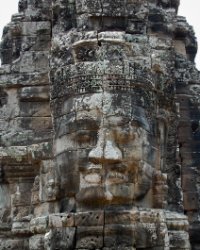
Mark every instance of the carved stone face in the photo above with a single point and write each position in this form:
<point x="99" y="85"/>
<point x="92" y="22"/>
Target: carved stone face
<point x="105" y="149"/>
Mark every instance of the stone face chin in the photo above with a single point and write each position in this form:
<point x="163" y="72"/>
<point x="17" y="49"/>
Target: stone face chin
<point x="108" y="194"/>
<point x="99" y="127"/>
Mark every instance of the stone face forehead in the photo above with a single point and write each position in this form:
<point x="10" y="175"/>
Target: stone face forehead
<point x="120" y="8"/>
<point x="109" y="106"/>
<point x="100" y="77"/>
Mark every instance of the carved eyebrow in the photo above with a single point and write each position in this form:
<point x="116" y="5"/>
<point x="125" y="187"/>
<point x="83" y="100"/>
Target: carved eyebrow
<point x="83" y="124"/>
<point x="88" y="123"/>
<point x="125" y="120"/>
<point x="118" y="120"/>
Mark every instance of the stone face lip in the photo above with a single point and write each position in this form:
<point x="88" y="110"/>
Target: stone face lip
<point x="99" y="127"/>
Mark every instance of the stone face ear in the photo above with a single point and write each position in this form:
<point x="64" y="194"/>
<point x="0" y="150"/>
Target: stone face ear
<point x="49" y="186"/>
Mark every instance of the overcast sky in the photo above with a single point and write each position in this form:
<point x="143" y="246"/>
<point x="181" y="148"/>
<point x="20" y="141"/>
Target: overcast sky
<point x="188" y="8"/>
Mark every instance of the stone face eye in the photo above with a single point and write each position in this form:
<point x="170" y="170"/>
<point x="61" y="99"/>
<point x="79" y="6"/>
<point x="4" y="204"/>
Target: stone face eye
<point x="85" y="137"/>
<point x="135" y="124"/>
<point x="123" y="137"/>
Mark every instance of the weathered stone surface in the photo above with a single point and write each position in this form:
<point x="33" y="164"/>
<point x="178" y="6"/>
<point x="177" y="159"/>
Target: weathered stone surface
<point x="21" y="227"/>
<point x="60" y="238"/>
<point x="14" y="244"/>
<point x="61" y="220"/>
<point x="99" y="127"/>
<point x="89" y="237"/>
<point x="93" y="218"/>
<point x="36" y="242"/>
<point x="39" y="225"/>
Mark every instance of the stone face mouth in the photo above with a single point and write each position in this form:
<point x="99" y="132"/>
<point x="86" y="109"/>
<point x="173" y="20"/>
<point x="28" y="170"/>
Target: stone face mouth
<point x="109" y="193"/>
<point x="109" y="174"/>
<point x="93" y="178"/>
<point x="116" y="177"/>
<point x="106" y="174"/>
<point x="112" y="177"/>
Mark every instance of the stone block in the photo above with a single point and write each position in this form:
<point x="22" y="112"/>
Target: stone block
<point x="122" y="191"/>
<point x="42" y="151"/>
<point x="43" y="28"/>
<point x="6" y="55"/>
<point x="64" y="159"/>
<point x="159" y="42"/>
<point x="41" y="61"/>
<point x="91" y="218"/>
<point x="89" y="237"/>
<point x="68" y="205"/>
<point x="34" y="93"/>
<point x="179" y="240"/>
<point x="152" y="216"/>
<point x="194" y="233"/>
<point x="60" y="238"/>
<point x="27" y="64"/>
<point x="46" y="208"/>
<point x="136" y="27"/>
<point x="14" y="154"/>
<point x="21" y="227"/>
<point x="122" y="217"/>
<point x="61" y="220"/>
<point x="190" y="200"/>
<point x="34" y="109"/>
<point x="18" y="199"/>
<point x="36" y="242"/>
<point x="39" y="225"/>
<point x="88" y="6"/>
<point x="150" y="235"/>
<point x="119" y="235"/>
<point x="179" y="46"/>
<point x="177" y="222"/>
<point x="19" y="212"/>
<point x="114" y="8"/>
<point x="42" y="42"/>
<point x="35" y="191"/>
<point x="49" y="184"/>
<point x="29" y="28"/>
<point x="35" y="123"/>
<point x="69" y="183"/>
<point x="13" y="244"/>
<point x="188" y="183"/>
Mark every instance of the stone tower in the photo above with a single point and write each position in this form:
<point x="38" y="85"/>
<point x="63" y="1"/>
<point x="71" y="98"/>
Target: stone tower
<point x="99" y="123"/>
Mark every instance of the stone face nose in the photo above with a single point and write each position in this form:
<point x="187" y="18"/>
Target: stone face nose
<point x="96" y="154"/>
<point x="112" y="152"/>
<point x="105" y="151"/>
